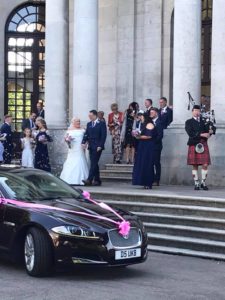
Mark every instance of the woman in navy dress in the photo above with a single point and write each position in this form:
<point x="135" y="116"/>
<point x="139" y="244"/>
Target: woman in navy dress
<point x="143" y="171"/>
<point x="41" y="159"/>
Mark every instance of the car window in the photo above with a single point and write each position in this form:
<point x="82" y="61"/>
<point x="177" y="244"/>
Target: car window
<point x="31" y="186"/>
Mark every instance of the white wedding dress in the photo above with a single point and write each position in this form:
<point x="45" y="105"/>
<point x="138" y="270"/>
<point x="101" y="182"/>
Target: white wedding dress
<point x="75" y="168"/>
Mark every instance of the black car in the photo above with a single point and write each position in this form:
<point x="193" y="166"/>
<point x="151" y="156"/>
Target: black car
<point x="46" y="223"/>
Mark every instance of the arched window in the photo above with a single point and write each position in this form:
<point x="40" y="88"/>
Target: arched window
<point x="25" y="60"/>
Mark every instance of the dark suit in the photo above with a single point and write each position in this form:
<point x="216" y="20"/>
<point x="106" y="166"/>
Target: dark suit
<point x="95" y="136"/>
<point x="158" y="150"/>
<point x="166" y="117"/>
<point x="147" y="112"/>
<point x="28" y="123"/>
<point x="41" y="113"/>
<point x="194" y="130"/>
<point x="8" y="143"/>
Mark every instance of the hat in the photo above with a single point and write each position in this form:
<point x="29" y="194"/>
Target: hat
<point x="196" y="107"/>
<point x="140" y="112"/>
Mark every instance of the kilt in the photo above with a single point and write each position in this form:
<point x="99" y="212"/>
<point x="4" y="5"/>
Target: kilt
<point x="195" y="158"/>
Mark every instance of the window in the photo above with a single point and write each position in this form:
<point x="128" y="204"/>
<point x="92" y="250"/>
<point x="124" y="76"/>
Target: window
<point x="206" y="41"/>
<point x="25" y="61"/>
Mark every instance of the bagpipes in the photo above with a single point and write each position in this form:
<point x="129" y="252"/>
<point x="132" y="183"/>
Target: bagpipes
<point x="207" y="116"/>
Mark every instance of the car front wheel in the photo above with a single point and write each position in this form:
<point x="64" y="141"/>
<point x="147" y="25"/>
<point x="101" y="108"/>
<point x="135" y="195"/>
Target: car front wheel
<point x="37" y="253"/>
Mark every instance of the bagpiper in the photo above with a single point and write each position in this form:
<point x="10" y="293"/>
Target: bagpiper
<point x="198" y="151"/>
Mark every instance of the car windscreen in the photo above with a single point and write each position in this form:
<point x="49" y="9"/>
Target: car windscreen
<point x="35" y="186"/>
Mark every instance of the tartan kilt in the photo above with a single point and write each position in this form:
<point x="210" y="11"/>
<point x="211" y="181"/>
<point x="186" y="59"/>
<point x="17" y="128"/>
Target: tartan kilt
<point x="195" y="158"/>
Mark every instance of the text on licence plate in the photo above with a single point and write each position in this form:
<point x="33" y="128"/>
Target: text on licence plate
<point x="126" y="254"/>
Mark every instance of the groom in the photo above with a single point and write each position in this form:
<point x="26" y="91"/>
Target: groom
<point x="95" y="136"/>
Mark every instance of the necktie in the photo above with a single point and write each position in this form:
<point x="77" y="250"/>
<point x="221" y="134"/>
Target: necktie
<point x="93" y="124"/>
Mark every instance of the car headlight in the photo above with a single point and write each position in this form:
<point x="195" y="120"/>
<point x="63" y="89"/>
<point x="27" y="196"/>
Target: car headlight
<point x="76" y="232"/>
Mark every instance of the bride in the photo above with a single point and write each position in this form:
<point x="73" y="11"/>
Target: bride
<point x="75" y="168"/>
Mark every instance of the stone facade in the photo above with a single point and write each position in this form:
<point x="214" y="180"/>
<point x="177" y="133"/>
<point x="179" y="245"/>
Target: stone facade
<point x="129" y="43"/>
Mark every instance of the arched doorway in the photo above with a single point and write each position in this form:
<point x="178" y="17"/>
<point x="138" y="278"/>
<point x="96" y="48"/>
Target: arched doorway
<point x="24" y="60"/>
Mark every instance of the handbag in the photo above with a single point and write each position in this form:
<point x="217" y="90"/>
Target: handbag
<point x="199" y="148"/>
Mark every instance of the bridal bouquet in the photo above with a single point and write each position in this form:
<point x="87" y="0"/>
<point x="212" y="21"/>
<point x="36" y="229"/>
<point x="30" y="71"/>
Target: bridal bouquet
<point x="136" y="133"/>
<point x="68" y="140"/>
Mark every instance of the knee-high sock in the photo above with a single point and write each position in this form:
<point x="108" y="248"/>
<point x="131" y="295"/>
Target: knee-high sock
<point x="195" y="176"/>
<point x="204" y="175"/>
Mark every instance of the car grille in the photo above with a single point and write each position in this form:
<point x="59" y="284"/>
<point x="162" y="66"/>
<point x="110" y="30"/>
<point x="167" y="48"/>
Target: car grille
<point x="132" y="240"/>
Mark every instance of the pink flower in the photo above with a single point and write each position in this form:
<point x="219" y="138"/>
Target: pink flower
<point x="124" y="228"/>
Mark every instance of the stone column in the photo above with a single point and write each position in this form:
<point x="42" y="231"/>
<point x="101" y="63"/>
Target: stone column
<point x="187" y="56"/>
<point x="56" y="70"/>
<point x="85" y="58"/>
<point x="56" y="63"/>
<point x="218" y="61"/>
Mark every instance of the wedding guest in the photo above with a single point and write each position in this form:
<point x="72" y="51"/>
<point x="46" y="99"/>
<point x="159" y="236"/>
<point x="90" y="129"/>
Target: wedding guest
<point x="165" y="113"/>
<point x="40" y="110"/>
<point x="27" y="144"/>
<point x="94" y="137"/>
<point x="126" y="134"/>
<point x="2" y="139"/>
<point x="143" y="171"/>
<point x="148" y="105"/>
<point x="115" y="121"/>
<point x="8" y="142"/>
<point x="101" y="116"/>
<point x="154" y="114"/>
<point x="41" y="158"/>
<point x="75" y="168"/>
<point x="30" y="122"/>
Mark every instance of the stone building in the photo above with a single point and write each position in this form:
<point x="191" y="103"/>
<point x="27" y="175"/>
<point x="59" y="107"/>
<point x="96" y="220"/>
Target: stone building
<point x="76" y="55"/>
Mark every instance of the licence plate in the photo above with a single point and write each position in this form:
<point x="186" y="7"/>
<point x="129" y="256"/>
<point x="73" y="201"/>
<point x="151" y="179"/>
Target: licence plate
<point x="126" y="254"/>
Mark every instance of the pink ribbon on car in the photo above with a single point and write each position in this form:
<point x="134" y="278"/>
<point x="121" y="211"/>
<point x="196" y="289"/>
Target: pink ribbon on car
<point x="123" y="225"/>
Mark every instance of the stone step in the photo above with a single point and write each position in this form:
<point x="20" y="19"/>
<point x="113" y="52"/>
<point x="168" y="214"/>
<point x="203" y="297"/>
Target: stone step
<point x="122" y="167"/>
<point x="189" y="243"/>
<point x="180" y="210"/>
<point x="195" y="221"/>
<point x="188" y="252"/>
<point x="186" y="231"/>
<point x="159" y="198"/>
<point x="116" y="173"/>
<point x="114" y="179"/>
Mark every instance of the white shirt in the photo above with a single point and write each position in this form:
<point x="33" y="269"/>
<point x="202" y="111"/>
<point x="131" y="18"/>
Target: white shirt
<point x="94" y="122"/>
<point x="164" y="109"/>
<point x="154" y="120"/>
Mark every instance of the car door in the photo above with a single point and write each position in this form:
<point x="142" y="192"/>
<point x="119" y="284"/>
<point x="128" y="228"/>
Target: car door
<point x="2" y="212"/>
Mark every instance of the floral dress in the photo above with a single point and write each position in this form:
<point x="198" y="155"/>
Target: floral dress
<point x="116" y="142"/>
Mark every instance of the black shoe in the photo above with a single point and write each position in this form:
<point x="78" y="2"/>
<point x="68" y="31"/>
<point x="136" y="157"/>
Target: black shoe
<point x="197" y="188"/>
<point x="204" y="187"/>
<point x="96" y="183"/>
<point x="118" y="162"/>
<point x="87" y="182"/>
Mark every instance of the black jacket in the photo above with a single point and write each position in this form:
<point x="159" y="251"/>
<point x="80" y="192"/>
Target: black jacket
<point x="194" y="129"/>
<point x="159" y="137"/>
<point x="8" y="143"/>
<point x="95" y="136"/>
<point x="27" y="124"/>
<point x="166" y="117"/>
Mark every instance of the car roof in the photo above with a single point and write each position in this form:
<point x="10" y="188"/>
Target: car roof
<point x="16" y="169"/>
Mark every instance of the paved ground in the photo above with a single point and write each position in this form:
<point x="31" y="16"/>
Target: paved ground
<point x="161" y="277"/>
<point x="166" y="190"/>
